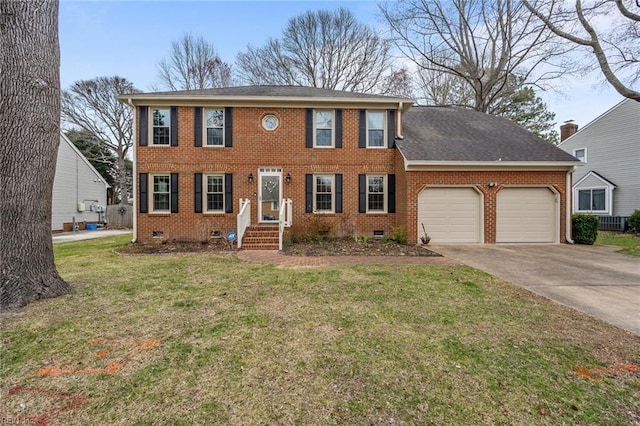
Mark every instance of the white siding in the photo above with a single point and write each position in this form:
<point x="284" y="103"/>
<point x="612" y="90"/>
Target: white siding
<point x="613" y="151"/>
<point x="76" y="181"/>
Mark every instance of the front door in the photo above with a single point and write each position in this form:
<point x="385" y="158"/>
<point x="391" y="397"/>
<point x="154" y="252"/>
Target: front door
<point x="269" y="196"/>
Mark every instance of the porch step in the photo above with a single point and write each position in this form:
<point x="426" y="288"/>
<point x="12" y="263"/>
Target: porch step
<point x="261" y="238"/>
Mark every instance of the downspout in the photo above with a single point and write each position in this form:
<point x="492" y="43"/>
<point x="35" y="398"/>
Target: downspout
<point x="399" y="121"/>
<point x="135" y="176"/>
<point x="568" y="202"/>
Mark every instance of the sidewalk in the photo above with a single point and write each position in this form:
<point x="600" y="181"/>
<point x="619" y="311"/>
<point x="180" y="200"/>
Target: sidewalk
<point x="65" y="237"/>
<point x="281" y="260"/>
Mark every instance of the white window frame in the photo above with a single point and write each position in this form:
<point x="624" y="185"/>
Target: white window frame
<point x="575" y="151"/>
<point x="152" y="138"/>
<point x="205" y="193"/>
<point x="333" y="128"/>
<point x="384" y="193"/>
<point x="607" y="200"/>
<point x="384" y="128"/>
<point x="205" y="128"/>
<point x="153" y="192"/>
<point x="315" y="193"/>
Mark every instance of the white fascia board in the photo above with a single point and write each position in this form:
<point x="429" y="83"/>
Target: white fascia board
<point x="489" y="165"/>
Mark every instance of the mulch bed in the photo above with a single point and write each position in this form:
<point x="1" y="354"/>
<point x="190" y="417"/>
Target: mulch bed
<point x="328" y="247"/>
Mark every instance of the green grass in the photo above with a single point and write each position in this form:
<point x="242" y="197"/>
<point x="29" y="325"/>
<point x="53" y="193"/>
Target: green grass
<point x="630" y="243"/>
<point x="207" y="339"/>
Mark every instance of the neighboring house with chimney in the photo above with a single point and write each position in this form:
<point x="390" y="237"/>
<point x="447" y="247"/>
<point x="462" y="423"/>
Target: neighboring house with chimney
<point x="79" y="191"/>
<point x="262" y="163"/>
<point x="608" y="184"/>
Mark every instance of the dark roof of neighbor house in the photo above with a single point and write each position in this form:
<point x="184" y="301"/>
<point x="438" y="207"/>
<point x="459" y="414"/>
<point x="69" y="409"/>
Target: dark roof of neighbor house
<point x="464" y="135"/>
<point x="267" y="92"/>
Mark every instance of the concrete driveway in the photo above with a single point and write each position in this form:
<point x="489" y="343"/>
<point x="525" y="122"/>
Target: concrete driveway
<point x="65" y="237"/>
<point x="591" y="279"/>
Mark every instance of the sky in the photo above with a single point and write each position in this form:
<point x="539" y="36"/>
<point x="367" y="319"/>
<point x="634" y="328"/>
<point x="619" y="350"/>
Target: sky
<point x="128" y="37"/>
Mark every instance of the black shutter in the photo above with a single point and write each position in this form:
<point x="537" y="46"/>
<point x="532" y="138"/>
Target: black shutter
<point x="362" y="193"/>
<point x="143" y="198"/>
<point x="309" y="128"/>
<point x="228" y="193"/>
<point x="338" y="193"/>
<point x="228" y="127"/>
<point x="174" y="193"/>
<point x="174" y="126"/>
<point x="143" y="123"/>
<point x="197" y="193"/>
<point x="308" y="193"/>
<point x="338" y="128"/>
<point x="391" y="128"/>
<point x="391" y="193"/>
<point x="362" y="129"/>
<point x="197" y="126"/>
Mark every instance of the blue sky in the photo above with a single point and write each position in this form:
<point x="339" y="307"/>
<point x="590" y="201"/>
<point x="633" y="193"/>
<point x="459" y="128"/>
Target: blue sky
<point x="127" y="38"/>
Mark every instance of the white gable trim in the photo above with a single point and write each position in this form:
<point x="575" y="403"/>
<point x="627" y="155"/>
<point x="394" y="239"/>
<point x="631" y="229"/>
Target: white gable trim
<point x="595" y="120"/>
<point x="608" y="194"/>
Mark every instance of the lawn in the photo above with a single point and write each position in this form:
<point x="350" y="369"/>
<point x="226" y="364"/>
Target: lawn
<point x="200" y="338"/>
<point x="629" y="243"/>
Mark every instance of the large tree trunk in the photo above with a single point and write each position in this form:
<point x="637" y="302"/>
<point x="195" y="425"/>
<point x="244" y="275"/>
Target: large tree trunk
<point x="29" y="138"/>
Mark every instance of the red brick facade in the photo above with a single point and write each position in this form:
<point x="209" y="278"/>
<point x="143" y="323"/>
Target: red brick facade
<point x="254" y="147"/>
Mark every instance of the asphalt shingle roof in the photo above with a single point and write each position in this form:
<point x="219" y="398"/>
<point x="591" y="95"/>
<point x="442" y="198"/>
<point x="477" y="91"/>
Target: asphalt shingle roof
<point x="461" y="135"/>
<point x="273" y="91"/>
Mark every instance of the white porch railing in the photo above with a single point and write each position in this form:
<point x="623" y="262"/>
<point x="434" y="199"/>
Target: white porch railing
<point x="243" y="219"/>
<point x="286" y="213"/>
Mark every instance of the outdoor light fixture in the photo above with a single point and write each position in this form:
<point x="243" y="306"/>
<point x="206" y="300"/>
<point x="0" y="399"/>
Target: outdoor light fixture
<point x="250" y="177"/>
<point x="287" y="178"/>
<point x="492" y="184"/>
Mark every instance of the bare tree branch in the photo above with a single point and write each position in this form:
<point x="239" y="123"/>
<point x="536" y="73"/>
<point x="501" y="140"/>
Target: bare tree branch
<point x="324" y="49"/>
<point x="193" y="63"/>
<point x="92" y="106"/>
<point x="483" y="43"/>
<point x="616" y="49"/>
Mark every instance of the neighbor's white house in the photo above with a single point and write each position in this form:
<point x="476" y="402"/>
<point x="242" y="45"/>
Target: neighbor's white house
<point x="608" y="184"/>
<point x="79" y="191"/>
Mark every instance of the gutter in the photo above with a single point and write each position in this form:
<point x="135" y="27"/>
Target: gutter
<point x="568" y="197"/>
<point x="135" y="175"/>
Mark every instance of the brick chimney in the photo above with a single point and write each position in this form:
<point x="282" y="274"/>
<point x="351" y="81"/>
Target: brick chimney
<point x="569" y="128"/>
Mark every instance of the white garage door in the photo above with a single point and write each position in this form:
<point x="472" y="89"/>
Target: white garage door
<point x="526" y="215"/>
<point x="450" y="215"/>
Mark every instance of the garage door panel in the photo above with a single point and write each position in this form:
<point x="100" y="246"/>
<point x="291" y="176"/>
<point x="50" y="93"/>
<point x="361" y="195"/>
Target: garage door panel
<point x="450" y="215"/>
<point x="526" y="215"/>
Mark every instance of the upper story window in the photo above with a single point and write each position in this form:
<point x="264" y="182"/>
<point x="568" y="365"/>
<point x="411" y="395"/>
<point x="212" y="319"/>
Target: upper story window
<point x="214" y="201"/>
<point x="161" y="195"/>
<point x="161" y="126"/>
<point x="580" y="154"/>
<point x="214" y="127"/>
<point x="323" y="128"/>
<point x="376" y="193"/>
<point x="324" y="192"/>
<point x="375" y="129"/>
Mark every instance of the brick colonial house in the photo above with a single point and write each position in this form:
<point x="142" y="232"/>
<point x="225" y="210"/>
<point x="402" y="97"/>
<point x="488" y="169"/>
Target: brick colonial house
<point x="242" y="158"/>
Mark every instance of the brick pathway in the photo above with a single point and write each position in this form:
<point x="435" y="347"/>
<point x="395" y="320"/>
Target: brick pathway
<point x="279" y="259"/>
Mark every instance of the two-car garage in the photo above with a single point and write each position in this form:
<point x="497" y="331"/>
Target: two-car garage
<point x="456" y="215"/>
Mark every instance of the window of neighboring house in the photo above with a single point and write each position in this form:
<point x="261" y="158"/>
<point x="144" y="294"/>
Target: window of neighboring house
<point x="323" y="126"/>
<point x="161" y="193"/>
<point x="161" y="126"/>
<point x="376" y="186"/>
<point x="375" y="129"/>
<point x="214" y="128"/>
<point x="580" y="154"/>
<point x="323" y="193"/>
<point x="592" y="200"/>
<point x="214" y="194"/>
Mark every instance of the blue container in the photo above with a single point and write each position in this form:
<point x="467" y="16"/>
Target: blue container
<point x="92" y="226"/>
